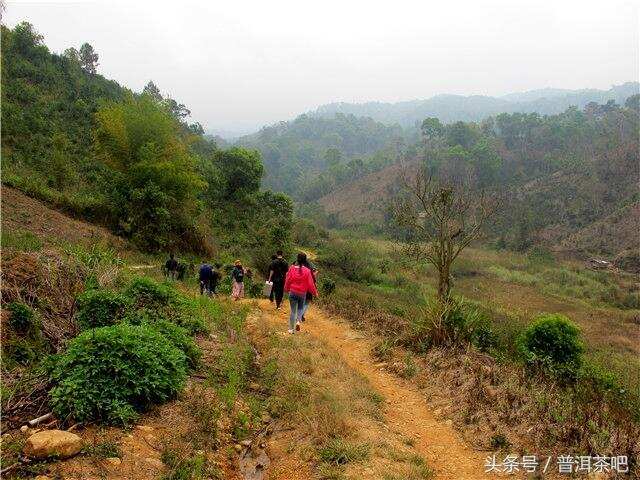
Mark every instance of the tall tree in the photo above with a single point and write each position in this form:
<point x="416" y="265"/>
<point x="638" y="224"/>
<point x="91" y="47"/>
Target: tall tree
<point x="153" y="91"/>
<point x="440" y="219"/>
<point x="88" y="58"/>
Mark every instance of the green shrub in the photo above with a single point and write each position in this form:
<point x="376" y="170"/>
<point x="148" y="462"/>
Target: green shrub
<point x="111" y="373"/>
<point x="145" y="292"/>
<point x="23" y="319"/>
<point x="326" y="285"/>
<point x="186" y="314"/>
<point x="181" y="339"/>
<point x="552" y="343"/>
<point x="453" y="323"/>
<point x="353" y="259"/>
<point x="160" y="300"/>
<point x="100" y="308"/>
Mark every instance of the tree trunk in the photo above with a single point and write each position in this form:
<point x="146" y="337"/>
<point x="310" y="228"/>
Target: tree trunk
<point x="444" y="284"/>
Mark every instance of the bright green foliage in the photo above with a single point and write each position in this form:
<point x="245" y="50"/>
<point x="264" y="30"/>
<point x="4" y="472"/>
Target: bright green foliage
<point x="159" y="185"/>
<point x="552" y="343"/>
<point x="154" y="301"/>
<point x="100" y="308"/>
<point x="146" y="292"/>
<point x="112" y="373"/>
<point x="179" y="338"/>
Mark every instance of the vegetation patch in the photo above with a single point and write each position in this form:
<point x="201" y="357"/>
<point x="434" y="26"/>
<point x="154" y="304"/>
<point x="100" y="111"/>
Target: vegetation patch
<point x="113" y="373"/>
<point x="552" y="343"/>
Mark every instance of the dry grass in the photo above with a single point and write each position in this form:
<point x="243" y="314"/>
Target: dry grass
<point x="312" y="388"/>
<point x="329" y="416"/>
<point x="49" y="282"/>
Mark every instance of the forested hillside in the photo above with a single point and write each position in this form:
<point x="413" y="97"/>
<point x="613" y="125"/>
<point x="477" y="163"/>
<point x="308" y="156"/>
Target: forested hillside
<point x="130" y="161"/>
<point x="309" y="156"/>
<point x="564" y="177"/>
<point x="453" y="108"/>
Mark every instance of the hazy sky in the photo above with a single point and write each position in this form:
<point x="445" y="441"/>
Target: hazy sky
<point x="241" y="64"/>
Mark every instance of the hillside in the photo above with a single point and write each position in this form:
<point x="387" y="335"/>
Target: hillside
<point x="340" y="147"/>
<point x="236" y="414"/>
<point x="574" y="191"/>
<point x="128" y="161"/>
<point x="23" y="215"/>
<point x="473" y="108"/>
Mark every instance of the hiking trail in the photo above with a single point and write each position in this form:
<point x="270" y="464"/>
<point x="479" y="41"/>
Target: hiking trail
<point x="406" y="410"/>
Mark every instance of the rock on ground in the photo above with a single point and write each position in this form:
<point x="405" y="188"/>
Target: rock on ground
<point x="52" y="443"/>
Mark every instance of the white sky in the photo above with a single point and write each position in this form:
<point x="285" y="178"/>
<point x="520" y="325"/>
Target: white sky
<point x="241" y="64"/>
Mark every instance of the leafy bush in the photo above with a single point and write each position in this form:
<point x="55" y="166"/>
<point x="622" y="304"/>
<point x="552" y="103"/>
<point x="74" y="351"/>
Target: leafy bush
<point x="146" y="292"/>
<point x="181" y="339"/>
<point x="158" y="301"/>
<point x="100" y="308"/>
<point x="353" y="259"/>
<point x="552" y="343"/>
<point x="23" y="319"/>
<point x="452" y="323"/>
<point x="326" y="285"/>
<point x="111" y="373"/>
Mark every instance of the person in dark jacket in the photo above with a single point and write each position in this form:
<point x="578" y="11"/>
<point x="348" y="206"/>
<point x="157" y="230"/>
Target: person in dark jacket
<point x="215" y="278"/>
<point x="205" y="276"/>
<point x="271" y="296"/>
<point x="277" y="274"/>
<point x="171" y="267"/>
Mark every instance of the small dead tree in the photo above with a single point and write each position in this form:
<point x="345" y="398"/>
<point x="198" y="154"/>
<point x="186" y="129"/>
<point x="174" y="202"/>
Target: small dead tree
<point x="439" y="219"/>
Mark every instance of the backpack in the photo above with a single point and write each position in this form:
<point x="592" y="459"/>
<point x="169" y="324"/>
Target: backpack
<point x="238" y="275"/>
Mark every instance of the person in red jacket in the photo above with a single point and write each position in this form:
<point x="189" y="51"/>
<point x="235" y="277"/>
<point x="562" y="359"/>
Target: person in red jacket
<point x="298" y="283"/>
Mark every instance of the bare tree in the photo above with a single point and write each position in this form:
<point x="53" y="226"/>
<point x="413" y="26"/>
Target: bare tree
<point x="440" y="218"/>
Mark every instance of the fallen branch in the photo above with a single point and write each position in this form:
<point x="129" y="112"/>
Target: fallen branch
<point x="42" y="418"/>
<point x="9" y="468"/>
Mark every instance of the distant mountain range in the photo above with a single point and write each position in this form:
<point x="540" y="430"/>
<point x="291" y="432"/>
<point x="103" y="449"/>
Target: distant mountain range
<point x="452" y="108"/>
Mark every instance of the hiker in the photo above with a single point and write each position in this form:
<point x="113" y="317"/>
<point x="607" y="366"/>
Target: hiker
<point x="298" y="283"/>
<point x="171" y="267"/>
<point x="277" y="273"/>
<point x="205" y="276"/>
<point x="237" y="280"/>
<point x="271" y="296"/>
<point x="309" y="298"/>
<point x="215" y="278"/>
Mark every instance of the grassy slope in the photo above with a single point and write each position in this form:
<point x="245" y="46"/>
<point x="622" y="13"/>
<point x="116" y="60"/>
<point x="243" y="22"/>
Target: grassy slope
<point x="252" y="385"/>
<point x="516" y="289"/>
<point x="363" y="202"/>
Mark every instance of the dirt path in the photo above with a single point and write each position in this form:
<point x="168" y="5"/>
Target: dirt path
<point x="407" y="412"/>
